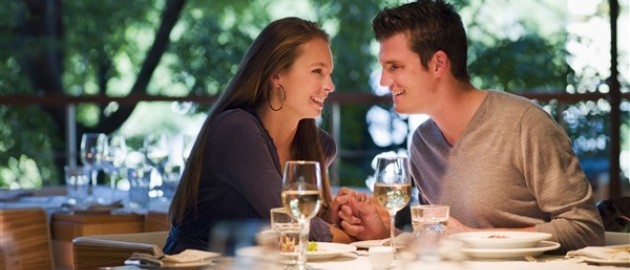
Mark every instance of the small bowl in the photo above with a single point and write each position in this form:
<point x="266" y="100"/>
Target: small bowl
<point x="381" y="257"/>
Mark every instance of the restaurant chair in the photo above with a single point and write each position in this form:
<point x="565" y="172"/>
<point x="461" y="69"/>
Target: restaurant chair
<point x="156" y="221"/>
<point x="25" y="239"/>
<point x="617" y="238"/>
<point x="93" y="252"/>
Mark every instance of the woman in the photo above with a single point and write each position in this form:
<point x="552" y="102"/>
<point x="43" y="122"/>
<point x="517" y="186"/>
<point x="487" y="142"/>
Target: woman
<point x="265" y="117"/>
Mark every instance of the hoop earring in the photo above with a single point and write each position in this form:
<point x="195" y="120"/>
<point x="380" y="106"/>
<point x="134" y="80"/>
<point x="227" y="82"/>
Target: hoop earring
<point x="283" y="97"/>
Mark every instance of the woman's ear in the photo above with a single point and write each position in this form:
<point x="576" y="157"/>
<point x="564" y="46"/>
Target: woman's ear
<point x="275" y="80"/>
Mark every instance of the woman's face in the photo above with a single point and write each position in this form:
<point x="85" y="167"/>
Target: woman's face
<point x="308" y="82"/>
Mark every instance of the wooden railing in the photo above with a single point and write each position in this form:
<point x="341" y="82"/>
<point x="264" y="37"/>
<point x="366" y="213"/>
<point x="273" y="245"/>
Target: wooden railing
<point x="337" y="100"/>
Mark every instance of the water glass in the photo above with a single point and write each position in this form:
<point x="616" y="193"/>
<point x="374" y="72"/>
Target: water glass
<point x="139" y="182"/>
<point x="429" y="225"/>
<point x="288" y="229"/>
<point x="77" y="183"/>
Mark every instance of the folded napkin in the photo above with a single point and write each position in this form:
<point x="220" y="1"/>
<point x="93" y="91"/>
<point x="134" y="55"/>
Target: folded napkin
<point x="190" y="255"/>
<point x="612" y="253"/>
<point x="185" y="258"/>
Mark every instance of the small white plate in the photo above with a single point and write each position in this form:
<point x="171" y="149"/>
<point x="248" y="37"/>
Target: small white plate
<point x="401" y="241"/>
<point x="607" y="262"/>
<point x="325" y="250"/>
<point x="501" y="239"/>
<point x="506" y="253"/>
<point x="623" y="249"/>
<point x="366" y="244"/>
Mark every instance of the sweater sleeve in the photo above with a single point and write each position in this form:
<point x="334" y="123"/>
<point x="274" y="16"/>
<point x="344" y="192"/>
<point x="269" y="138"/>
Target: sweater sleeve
<point x="556" y="180"/>
<point x="243" y="159"/>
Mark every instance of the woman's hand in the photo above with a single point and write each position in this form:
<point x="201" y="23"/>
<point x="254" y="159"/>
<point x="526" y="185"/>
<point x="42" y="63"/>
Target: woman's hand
<point x="364" y="220"/>
<point x="344" y="196"/>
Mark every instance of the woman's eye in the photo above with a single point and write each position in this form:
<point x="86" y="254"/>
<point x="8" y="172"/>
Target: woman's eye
<point x="318" y="71"/>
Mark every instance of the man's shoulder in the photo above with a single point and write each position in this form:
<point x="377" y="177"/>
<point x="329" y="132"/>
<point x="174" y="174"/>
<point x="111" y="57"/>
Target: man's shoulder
<point x="428" y="130"/>
<point x="509" y="100"/>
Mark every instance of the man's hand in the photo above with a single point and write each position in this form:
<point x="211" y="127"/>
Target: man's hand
<point x="454" y="226"/>
<point x="344" y="196"/>
<point x="364" y="220"/>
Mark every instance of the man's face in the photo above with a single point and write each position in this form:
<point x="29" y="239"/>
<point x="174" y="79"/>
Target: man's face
<point x="411" y="84"/>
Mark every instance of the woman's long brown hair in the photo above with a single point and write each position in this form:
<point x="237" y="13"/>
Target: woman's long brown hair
<point x="274" y="50"/>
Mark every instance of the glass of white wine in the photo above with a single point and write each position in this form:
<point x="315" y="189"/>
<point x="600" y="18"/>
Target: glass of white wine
<point x="301" y="186"/>
<point x="392" y="187"/>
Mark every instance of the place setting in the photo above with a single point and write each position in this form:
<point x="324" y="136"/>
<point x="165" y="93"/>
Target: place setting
<point x="504" y="244"/>
<point x="287" y="240"/>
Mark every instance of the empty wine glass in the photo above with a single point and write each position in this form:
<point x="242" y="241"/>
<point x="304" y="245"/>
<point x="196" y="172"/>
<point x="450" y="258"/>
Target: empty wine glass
<point x="114" y="159"/>
<point x="301" y="185"/>
<point x="392" y="187"/>
<point x="156" y="150"/>
<point x="92" y="149"/>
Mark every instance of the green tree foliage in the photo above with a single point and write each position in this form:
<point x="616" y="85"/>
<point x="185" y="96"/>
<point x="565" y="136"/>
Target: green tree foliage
<point x="113" y="48"/>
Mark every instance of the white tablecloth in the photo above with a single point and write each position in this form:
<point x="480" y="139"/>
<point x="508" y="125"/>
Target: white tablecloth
<point x="352" y="262"/>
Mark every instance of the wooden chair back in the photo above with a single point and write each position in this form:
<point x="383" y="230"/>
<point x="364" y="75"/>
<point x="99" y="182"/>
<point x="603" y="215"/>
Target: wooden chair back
<point x="25" y="239"/>
<point x="96" y="251"/>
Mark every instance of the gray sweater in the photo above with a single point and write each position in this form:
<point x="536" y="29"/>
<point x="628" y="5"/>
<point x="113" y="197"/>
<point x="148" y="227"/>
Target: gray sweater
<point x="513" y="167"/>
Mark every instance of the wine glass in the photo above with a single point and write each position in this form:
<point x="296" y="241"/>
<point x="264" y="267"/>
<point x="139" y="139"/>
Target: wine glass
<point x="114" y="159"/>
<point x="92" y="149"/>
<point x="301" y="185"/>
<point x="392" y="187"/>
<point x="157" y="151"/>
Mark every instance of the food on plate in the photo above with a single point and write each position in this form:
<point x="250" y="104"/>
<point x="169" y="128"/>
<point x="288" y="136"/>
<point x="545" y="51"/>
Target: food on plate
<point x="312" y="246"/>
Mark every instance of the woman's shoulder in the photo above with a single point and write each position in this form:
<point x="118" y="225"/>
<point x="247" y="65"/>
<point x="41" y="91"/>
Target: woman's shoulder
<point x="237" y="118"/>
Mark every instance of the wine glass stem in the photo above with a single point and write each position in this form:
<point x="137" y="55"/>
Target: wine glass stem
<point x="303" y="245"/>
<point x="94" y="176"/>
<point x="113" y="177"/>
<point x="392" y="227"/>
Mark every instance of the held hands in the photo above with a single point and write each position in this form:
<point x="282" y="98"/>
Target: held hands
<point x="359" y="216"/>
<point x="344" y="195"/>
<point x="364" y="219"/>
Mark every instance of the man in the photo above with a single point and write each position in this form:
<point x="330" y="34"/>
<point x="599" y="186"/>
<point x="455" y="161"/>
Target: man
<point x="497" y="159"/>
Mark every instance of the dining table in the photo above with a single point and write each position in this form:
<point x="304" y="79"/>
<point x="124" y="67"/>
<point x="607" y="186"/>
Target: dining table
<point x="361" y="261"/>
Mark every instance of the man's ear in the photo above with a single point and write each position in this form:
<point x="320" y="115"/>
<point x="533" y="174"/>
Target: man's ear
<point x="440" y="61"/>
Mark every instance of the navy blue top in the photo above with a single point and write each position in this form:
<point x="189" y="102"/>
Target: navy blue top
<point x="241" y="180"/>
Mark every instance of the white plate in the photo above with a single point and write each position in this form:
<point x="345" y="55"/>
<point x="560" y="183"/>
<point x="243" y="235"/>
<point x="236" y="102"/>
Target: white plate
<point x="501" y="239"/>
<point x="624" y="249"/>
<point x="608" y="262"/>
<point x="505" y="253"/>
<point x="325" y="250"/>
<point x="368" y="243"/>
<point x="400" y="239"/>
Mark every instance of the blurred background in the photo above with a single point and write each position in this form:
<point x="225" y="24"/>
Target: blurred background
<point x="133" y="68"/>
